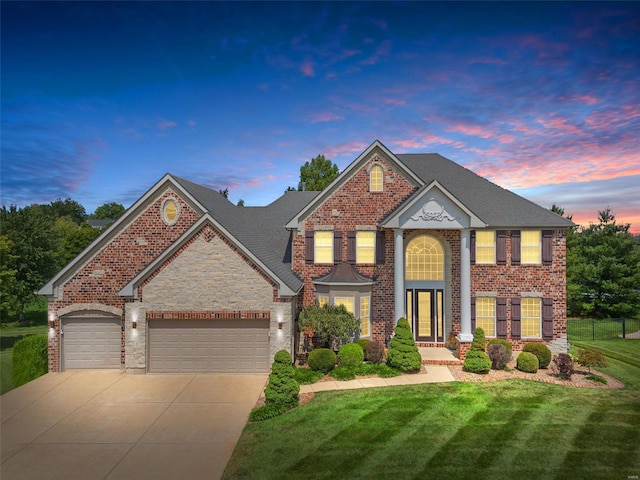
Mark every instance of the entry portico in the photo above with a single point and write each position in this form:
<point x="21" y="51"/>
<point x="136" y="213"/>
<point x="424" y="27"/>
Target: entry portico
<point x="434" y="209"/>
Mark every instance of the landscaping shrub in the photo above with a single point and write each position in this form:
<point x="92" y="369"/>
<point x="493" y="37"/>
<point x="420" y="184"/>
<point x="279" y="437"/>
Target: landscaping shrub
<point x="282" y="388"/>
<point x="328" y="322"/>
<point x="563" y="366"/>
<point x="350" y="355"/>
<point x="266" y="412"/>
<point x="597" y="378"/>
<point x="364" y="343"/>
<point x="479" y="341"/>
<point x="502" y="341"/>
<point x="590" y="358"/>
<point x="477" y="361"/>
<point x="283" y="357"/>
<point x="403" y="353"/>
<point x="375" y="352"/>
<point x="306" y="376"/>
<point x="343" y="373"/>
<point x="499" y="356"/>
<point x="322" y="360"/>
<point x="527" y="362"/>
<point x="541" y="351"/>
<point x="30" y="359"/>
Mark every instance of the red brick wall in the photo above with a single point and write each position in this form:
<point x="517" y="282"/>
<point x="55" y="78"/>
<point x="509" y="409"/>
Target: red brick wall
<point x="99" y="281"/>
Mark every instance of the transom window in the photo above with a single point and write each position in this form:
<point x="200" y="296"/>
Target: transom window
<point x="530" y="246"/>
<point x="323" y="242"/>
<point x="365" y="247"/>
<point x="375" y="184"/>
<point x="485" y="246"/>
<point x="530" y="317"/>
<point x="486" y="315"/>
<point x="424" y="259"/>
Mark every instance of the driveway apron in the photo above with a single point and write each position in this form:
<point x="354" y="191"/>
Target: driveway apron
<point x="101" y="424"/>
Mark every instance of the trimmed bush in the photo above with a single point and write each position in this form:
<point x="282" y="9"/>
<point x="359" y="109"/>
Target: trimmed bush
<point x="403" y="353"/>
<point x="306" y="376"/>
<point x="283" y="389"/>
<point x="541" y="351"/>
<point x="562" y="365"/>
<point x="283" y="357"/>
<point x="350" y="355"/>
<point x="479" y="340"/>
<point x="527" y="362"/>
<point x="322" y="360"/>
<point x="499" y="356"/>
<point x="477" y="362"/>
<point x="364" y="343"/>
<point x="266" y="412"/>
<point x="502" y="341"/>
<point x="375" y="352"/>
<point x="591" y="358"/>
<point x="30" y="359"/>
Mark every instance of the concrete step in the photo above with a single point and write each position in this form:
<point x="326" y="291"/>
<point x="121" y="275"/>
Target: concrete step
<point x="438" y="356"/>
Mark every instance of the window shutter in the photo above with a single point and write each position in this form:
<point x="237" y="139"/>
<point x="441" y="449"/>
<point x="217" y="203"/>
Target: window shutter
<point x="351" y="247"/>
<point x="501" y="247"/>
<point x="547" y="247"/>
<point x="473" y="314"/>
<point x="547" y="318"/>
<point x="501" y="317"/>
<point x="516" y="327"/>
<point x="380" y="246"/>
<point x="309" y="246"/>
<point x="337" y="247"/>
<point x="472" y="247"/>
<point x="515" y="247"/>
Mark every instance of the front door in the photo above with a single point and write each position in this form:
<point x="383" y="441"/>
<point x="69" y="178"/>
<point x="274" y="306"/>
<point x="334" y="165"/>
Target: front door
<point x="425" y="313"/>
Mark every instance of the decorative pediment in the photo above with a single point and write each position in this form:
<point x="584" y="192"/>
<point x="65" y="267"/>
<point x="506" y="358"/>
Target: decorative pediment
<point x="433" y="211"/>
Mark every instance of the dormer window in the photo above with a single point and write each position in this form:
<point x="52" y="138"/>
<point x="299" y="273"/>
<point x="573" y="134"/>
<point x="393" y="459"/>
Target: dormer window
<point x="375" y="179"/>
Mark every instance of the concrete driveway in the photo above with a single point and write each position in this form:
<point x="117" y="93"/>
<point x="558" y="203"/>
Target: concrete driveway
<point x="103" y="424"/>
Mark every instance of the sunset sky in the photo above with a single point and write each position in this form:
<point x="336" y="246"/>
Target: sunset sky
<point x="101" y="99"/>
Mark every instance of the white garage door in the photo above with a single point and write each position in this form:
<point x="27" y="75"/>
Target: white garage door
<point x="91" y="342"/>
<point x="209" y="345"/>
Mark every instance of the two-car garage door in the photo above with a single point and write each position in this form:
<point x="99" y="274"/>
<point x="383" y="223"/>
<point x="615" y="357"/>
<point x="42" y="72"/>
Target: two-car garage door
<point x="234" y="345"/>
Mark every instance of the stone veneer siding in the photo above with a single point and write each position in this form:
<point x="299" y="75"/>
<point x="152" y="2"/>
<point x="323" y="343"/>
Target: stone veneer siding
<point x="104" y="275"/>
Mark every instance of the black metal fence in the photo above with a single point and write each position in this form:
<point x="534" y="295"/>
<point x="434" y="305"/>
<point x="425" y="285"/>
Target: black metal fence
<point x="602" y="329"/>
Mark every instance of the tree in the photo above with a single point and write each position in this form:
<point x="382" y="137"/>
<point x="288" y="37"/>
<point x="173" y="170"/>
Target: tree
<point x="66" y="208"/>
<point x="403" y="353"/>
<point x="9" y="307"/>
<point x="224" y="193"/>
<point x="108" y="211"/>
<point x="603" y="269"/>
<point x="73" y="241"/>
<point x="328" y="322"/>
<point x="317" y="174"/>
<point x="240" y="203"/>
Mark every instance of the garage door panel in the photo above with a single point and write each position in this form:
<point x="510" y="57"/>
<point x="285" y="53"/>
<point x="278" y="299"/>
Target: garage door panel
<point x="92" y="342"/>
<point x="209" y="345"/>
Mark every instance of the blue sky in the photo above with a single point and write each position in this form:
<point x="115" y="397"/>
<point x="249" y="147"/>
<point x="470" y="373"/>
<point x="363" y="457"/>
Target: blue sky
<point x="101" y="99"/>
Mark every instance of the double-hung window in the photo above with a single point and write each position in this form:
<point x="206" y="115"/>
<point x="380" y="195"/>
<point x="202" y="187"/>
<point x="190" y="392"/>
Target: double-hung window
<point x="323" y="242"/>
<point x="485" y="246"/>
<point x="365" y="247"/>
<point x="530" y="246"/>
<point x="486" y="315"/>
<point x="365" y="317"/>
<point x="531" y="314"/>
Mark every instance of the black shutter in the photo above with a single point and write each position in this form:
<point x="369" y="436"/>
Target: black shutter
<point x="516" y="324"/>
<point x="472" y="247"/>
<point x="380" y="246"/>
<point x="473" y="314"/>
<point x="547" y="247"/>
<point x="515" y="247"/>
<point x="501" y="247"/>
<point x="501" y="317"/>
<point x="337" y="247"/>
<point x="547" y="318"/>
<point x="351" y="247"/>
<point x="309" y="246"/>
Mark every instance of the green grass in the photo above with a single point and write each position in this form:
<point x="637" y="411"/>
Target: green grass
<point x="495" y="430"/>
<point x="10" y="333"/>
<point x="584" y="329"/>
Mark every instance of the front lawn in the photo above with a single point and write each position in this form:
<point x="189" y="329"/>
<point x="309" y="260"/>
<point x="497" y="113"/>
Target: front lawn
<point x="502" y="430"/>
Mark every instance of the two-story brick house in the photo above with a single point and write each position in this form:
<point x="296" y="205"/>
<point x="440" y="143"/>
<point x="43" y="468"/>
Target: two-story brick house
<point x="186" y="281"/>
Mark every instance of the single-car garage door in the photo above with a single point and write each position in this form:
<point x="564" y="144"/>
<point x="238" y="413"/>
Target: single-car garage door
<point x="232" y="345"/>
<point x="91" y="342"/>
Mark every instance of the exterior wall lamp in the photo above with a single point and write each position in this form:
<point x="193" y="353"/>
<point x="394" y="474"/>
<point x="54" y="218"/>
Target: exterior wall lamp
<point x="280" y="325"/>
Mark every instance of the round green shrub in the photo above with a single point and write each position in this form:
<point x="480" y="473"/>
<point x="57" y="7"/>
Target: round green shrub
<point x="403" y="353"/>
<point x="322" y="360"/>
<point x="527" y="362"/>
<point x="364" y="343"/>
<point x="541" y="351"/>
<point x="477" y="361"/>
<point x="30" y="359"/>
<point x="479" y="340"/>
<point x="499" y="356"/>
<point x="350" y="355"/>
<point x="501" y="341"/>
<point x="375" y="352"/>
<point x="283" y="357"/>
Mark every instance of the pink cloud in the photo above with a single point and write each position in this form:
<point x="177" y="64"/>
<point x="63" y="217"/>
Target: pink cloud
<point x="191" y="123"/>
<point x="164" y="124"/>
<point x="346" y="148"/>
<point x="394" y="101"/>
<point x="324" y="117"/>
<point x="307" y="69"/>
<point x="472" y="130"/>
<point x="382" y="50"/>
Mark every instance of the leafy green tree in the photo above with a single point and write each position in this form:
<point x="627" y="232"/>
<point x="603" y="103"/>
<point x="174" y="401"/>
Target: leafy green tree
<point x="603" y="269"/>
<point x="73" y="241"/>
<point x="224" y="193"/>
<point x="108" y="211"/>
<point x="9" y="307"/>
<point x="329" y="322"/>
<point x="403" y="353"/>
<point x="66" y="208"/>
<point x="317" y="174"/>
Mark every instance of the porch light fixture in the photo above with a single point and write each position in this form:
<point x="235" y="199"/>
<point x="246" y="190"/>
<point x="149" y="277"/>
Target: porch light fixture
<point x="279" y="325"/>
<point x="134" y="324"/>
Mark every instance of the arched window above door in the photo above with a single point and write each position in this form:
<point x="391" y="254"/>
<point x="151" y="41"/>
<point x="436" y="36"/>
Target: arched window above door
<point x="424" y="259"/>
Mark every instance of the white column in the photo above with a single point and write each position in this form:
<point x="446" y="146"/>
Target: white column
<point x="466" y="335"/>
<point x="398" y="273"/>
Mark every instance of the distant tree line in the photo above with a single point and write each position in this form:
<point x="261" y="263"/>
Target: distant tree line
<point x="37" y="241"/>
